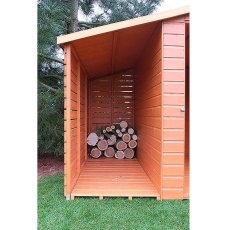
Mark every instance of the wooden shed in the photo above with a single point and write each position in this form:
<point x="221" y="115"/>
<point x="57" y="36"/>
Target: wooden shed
<point x="138" y="71"/>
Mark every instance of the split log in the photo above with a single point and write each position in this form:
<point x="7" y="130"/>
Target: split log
<point x="123" y="124"/>
<point x="109" y="152"/>
<point x="95" y="153"/>
<point x="104" y="131"/>
<point x="113" y="137"/>
<point x="134" y="137"/>
<point x="121" y="145"/>
<point x="101" y="137"/>
<point x="119" y="154"/>
<point x="92" y="139"/>
<point x="130" y="130"/>
<point x="132" y="144"/>
<point x="120" y="134"/>
<point x="102" y="145"/>
<point x="112" y="127"/>
<point x="108" y="129"/>
<point x="118" y="131"/>
<point x="129" y="153"/>
<point x="111" y="141"/>
<point x="123" y="130"/>
<point x="107" y="135"/>
<point x="126" y="137"/>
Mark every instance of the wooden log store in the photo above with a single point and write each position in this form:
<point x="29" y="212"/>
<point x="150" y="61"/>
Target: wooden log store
<point x="135" y="71"/>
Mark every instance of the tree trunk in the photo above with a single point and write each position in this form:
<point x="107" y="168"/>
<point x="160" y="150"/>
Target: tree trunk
<point x="95" y="153"/>
<point x="74" y="25"/>
<point x="129" y="153"/>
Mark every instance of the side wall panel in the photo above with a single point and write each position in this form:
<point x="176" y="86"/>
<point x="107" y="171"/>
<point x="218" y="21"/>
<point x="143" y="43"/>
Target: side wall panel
<point x="148" y="108"/>
<point x="74" y="119"/>
<point x="173" y="35"/>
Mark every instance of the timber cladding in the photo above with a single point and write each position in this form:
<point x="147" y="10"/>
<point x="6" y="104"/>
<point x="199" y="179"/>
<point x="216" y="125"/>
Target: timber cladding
<point x="148" y="108"/>
<point x="107" y="80"/>
<point x="173" y="101"/>
<point x="111" y="100"/>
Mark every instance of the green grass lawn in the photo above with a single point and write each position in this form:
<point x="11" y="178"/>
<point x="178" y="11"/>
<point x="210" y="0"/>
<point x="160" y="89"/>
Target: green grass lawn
<point x="55" y="213"/>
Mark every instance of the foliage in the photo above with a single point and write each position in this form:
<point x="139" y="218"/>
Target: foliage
<point x="54" y="212"/>
<point x="50" y="122"/>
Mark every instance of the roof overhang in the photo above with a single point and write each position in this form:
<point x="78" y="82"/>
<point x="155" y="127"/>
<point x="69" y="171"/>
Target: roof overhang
<point x="115" y="47"/>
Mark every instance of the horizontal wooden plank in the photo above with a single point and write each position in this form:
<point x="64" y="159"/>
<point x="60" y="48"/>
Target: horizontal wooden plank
<point x="174" y="40"/>
<point x="172" y="194"/>
<point x="174" y="52"/>
<point x="174" y="134"/>
<point x="173" y="159"/>
<point x="173" y="28"/>
<point x="172" y="170"/>
<point x="172" y="182"/>
<point x="173" y="111"/>
<point x="174" y="63"/>
<point x="174" y="75"/>
<point x="174" y="87"/>
<point x="173" y="146"/>
<point x="174" y="99"/>
<point x="174" y="123"/>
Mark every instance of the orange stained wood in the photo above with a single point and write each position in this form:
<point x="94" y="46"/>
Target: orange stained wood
<point x="173" y="152"/>
<point x="112" y="177"/>
<point x="148" y="107"/>
<point x="116" y="47"/>
<point x="111" y="99"/>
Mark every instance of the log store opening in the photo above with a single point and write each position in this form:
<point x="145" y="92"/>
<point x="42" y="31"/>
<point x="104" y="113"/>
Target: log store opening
<point x="138" y="71"/>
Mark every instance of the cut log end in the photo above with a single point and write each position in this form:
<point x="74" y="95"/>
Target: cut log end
<point x="92" y="139"/>
<point x="123" y="124"/>
<point x="126" y="137"/>
<point x="132" y="144"/>
<point x="134" y="137"/>
<point x="130" y="130"/>
<point x="110" y="152"/>
<point x="95" y="153"/>
<point x="102" y="145"/>
<point x="119" y="154"/>
<point x="121" y="145"/>
<point x="129" y="153"/>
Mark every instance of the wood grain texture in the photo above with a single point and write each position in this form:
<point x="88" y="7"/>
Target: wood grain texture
<point x="111" y="99"/>
<point x="173" y="101"/>
<point x="111" y="177"/>
<point x="148" y="107"/>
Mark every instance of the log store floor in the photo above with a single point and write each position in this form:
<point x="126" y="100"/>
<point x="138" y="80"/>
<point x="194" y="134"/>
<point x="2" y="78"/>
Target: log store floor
<point x="113" y="177"/>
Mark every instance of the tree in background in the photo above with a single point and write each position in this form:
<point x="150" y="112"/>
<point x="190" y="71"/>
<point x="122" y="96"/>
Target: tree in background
<point x="57" y="17"/>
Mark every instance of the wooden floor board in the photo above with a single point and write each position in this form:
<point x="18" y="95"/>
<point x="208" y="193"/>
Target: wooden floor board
<point x="113" y="178"/>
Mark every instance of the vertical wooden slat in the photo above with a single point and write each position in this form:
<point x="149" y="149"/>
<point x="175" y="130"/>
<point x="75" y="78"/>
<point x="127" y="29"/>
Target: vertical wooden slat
<point x="67" y="137"/>
<point x="86" y="114"/>
<point x="79" y="116"/>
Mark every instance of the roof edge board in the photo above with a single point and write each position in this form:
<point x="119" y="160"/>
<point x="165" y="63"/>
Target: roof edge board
<point x="122" y="25"/>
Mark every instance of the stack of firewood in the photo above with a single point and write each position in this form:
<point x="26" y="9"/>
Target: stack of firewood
<point x="117" y="141"/>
